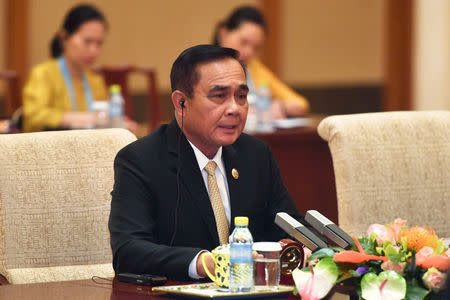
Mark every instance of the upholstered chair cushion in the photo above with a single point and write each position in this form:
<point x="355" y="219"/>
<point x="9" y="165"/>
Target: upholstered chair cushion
<point x="391" y="165"/>
<point x="54" y="203"/>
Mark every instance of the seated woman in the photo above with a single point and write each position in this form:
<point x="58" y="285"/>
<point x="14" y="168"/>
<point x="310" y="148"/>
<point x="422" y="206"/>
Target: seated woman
<point x="244" y="30"/>
<point x="60" y="92"/>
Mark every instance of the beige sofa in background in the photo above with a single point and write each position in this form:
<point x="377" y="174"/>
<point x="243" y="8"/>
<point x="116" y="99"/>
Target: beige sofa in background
<point x="54" y="204"/>
<point x="391" y="165"/>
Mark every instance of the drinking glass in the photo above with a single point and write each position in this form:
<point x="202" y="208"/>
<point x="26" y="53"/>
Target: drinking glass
<point x="267" y="263"/>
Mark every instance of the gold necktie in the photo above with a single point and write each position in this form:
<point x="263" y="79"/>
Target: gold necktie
<point x="216" y="202"/>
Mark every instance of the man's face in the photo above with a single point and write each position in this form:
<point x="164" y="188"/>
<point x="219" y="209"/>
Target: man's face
<point x="215" y="115"/>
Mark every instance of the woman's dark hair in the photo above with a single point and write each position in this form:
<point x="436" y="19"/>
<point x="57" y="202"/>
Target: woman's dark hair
<point x="76" y="17"/>
<point x="237" y="17"/>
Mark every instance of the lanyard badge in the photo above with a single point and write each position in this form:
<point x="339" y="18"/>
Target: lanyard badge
<point x="68" y="80"/>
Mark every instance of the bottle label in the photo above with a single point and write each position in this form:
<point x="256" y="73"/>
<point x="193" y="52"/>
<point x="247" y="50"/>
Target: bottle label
<point x="241" y="253"/>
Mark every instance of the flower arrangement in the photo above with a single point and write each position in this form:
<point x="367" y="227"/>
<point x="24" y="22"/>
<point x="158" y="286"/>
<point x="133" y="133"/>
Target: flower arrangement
<point x="393" y="261"/>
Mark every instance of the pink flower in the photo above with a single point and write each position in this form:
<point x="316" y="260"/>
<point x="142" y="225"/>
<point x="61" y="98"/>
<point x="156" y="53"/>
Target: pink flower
<point x="424" y="253"/>
<point x="396" y="226"/>
<point x="434" y="279"/>
<point x="400" y="222"/>
<point x="389" y="265"/>
<point x="384" y="233"/>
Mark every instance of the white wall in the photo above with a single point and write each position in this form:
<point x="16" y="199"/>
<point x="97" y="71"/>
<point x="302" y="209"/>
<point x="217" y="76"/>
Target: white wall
<point x="431" y="62"/>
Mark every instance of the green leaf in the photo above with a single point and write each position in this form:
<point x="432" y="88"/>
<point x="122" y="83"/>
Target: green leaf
<point x="386" y="244"/>
<point x="404" y="243"/>
<point x="395" y="258"/>
<point x="373" y="237"/>
<point x="366" y="244"/>
<point x="337" y="249"/>
<point x="389" y="249"/>
<point x="322" y="253"/>
<point x="354" y="273"/>
<point x="440" y="248"/>
<point x="415" y="292"/>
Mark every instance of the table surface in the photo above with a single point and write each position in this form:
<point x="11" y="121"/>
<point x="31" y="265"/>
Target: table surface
<point x="87" y="289"/>
<point x="100" y="289"/>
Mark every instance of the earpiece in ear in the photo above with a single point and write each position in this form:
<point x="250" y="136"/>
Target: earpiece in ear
<point x="182" y="103"/>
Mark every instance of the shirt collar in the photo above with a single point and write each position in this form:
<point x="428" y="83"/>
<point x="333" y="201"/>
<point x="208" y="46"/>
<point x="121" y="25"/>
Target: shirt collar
<point x="202" y="160"/>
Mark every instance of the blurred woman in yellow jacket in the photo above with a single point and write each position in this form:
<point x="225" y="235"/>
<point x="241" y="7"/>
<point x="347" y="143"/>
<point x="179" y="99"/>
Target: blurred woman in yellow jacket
<point x="60" y="92"/>
<point x="244" y="30"/>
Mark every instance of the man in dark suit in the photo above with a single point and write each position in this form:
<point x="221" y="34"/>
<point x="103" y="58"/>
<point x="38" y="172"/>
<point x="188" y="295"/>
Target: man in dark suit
<point x="162" y="216"/>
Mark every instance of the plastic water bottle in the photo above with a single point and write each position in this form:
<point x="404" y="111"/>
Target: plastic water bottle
<point x="251" y="125"/>
<point x="263" y="103"/>
<point x="116" y="106"/>
<point x="241" y="259"/>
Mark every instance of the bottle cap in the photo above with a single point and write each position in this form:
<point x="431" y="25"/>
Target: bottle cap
<point x="115" y="88"/>
<point x="241" y="221"/>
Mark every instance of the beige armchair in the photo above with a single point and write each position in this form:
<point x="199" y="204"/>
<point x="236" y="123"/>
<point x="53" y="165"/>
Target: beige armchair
<point x="54" y="204"/>
<point x="390" y="165"/>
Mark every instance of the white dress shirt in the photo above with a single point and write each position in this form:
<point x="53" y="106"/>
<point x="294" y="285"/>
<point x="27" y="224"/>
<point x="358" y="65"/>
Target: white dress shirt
<point x="222" y="183"/>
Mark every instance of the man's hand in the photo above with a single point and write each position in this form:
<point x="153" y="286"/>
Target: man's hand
<point x="277" y="110"/>
<point x="209" y="263"/>
<point x="78" y="120"/>
<point x="257" y="255"/>
<point x="130" y="124"/>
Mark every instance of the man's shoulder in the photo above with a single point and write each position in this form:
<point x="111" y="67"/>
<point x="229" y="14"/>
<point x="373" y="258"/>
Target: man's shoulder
<point x="151" y="143"/>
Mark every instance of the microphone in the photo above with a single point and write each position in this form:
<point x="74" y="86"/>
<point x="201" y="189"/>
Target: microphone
<point x="327" y="228"/>
<point x="298" y="231"/>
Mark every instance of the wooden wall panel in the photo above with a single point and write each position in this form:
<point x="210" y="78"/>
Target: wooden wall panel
<point x="16" y="37"/>
<point x="399" y="45"/>
<point x="271" y="53"/>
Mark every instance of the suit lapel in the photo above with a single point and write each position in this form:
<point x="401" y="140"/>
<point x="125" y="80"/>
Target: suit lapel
<point x="235" y="185"/>
<point x="191" y="179"/>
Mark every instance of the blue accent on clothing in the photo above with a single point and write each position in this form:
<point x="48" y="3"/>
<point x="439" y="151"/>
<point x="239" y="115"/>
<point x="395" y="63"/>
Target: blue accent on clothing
<point x="68" y="80"/>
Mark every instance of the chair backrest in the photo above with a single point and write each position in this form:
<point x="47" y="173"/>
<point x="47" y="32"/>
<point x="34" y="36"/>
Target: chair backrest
<point x="55" y="202"/>
<point x="153" y="107"/>
<point x="119" y="75"/>
<point x="13" y="99"/>
<point x="391" y="165"/>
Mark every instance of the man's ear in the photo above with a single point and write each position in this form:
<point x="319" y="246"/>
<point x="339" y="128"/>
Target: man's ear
<point x="179" y="101"/>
